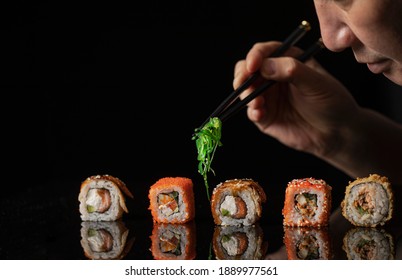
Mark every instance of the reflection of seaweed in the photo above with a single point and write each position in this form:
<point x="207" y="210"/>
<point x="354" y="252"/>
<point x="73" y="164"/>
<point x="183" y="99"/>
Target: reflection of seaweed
<point x="368" y="244"/>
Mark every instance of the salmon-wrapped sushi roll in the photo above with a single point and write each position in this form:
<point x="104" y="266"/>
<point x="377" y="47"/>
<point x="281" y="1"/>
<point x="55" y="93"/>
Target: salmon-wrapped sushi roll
<point x="307" y="203"/>
<point x="102" y="198"/>
<point x="237" y="202"/>
<point x="239" y="243"/>
<point x="173" y="241"/>
<point x="172" y="200"/>
<point x="363" y="243"/>
<point x="307" y="243"/>
<point x="368" y="201"/>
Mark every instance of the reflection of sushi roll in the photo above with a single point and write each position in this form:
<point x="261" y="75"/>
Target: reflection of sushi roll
<point x="105" y="240"/>
<point x="101" y="198"/>
<point x="307" y="203"/>
<point x="237" y="202"/>
<point x="368" y="244"/>
<point x="172" y="200"/>
<point x="307" y="243"/>
<point x="239" y="243"/>
<point x="368" y="201"/>
<point x="173" y="241"/>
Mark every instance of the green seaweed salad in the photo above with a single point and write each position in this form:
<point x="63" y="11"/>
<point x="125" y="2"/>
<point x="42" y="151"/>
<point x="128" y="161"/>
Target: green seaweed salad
<point x="207" y="140"/>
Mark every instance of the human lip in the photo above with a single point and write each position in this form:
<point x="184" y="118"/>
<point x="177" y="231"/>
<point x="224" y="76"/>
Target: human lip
<point x="378" y="67"/>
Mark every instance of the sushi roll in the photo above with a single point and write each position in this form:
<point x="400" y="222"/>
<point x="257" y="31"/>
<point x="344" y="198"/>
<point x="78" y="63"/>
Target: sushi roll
<point x="239" y="243"/>
<point x="173" y="241"/>
<point x="105" y="240"/>
<point x="368" y="202"/>
<point x="102" y="198"/>
<point x="307" y="203"/>
<point x="361" y="243"/>
<point x="307" y="243"/>
<point x="172" y="200"/>
<point x="237" y="202"/>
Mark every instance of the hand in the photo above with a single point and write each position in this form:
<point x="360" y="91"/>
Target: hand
<point x="306" y="109"/>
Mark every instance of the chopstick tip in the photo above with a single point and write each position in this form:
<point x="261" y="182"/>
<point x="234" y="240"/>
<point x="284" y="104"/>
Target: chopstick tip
<point x="305" y="25"/>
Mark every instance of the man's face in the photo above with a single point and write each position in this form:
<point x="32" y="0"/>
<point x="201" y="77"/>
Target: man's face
<point x="372" y="28"/>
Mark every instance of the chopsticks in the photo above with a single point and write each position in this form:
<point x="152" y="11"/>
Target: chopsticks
<point x="225" y="113"/>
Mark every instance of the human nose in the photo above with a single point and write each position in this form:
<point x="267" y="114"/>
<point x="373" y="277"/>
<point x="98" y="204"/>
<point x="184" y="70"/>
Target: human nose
<point x="335" y="31"/>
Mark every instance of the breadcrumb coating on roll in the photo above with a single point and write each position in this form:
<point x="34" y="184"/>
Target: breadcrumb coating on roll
<point x="368" y="201"/>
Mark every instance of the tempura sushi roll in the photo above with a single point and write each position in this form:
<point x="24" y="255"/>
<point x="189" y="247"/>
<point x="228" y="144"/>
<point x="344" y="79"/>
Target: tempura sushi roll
<point x="173" y="241"/>
<point x="172" y="200"/>
<point x="307" y="243"/>
<point x="102" y="198"/>
<point x="239" y="243"/>
<point x="237" y="202"/>
<point x="363" y="243"/>
<point x="105" y="240"/>
<point x="307" y="203"/>
<point x="368" y="201"/>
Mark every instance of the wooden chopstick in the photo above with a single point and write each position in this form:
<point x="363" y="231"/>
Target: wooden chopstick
<point x="310" y="52"/>
<point x="292" y="39"/>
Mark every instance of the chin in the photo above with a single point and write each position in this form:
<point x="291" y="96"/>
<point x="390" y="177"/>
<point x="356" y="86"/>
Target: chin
<point x="394" y="76"/>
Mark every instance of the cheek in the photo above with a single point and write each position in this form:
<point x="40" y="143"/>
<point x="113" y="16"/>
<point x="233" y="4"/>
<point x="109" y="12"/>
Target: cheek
<point x="378" y="28"/>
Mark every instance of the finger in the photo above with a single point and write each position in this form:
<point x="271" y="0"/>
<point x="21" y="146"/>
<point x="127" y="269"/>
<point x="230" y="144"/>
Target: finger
<point x="255" y="110"/>
<point x="256" y="103"/>
<point x="240" y="76"/>
<point x="260" y="51"/>
<point x="288" y="69"/>
<point x="240" y="73"/>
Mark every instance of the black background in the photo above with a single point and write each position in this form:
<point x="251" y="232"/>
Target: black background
<point x="118" y="88"/>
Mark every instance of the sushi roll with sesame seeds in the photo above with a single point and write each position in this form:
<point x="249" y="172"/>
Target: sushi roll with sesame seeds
<point x="172" y="200"/>
<point x="237" y="202"/>
<point x="102" y="198"/>
<point x="368" y="201"/>
<point x="307" y="203"/>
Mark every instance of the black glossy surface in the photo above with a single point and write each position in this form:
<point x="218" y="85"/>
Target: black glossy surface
<point x="43" y="224"/>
